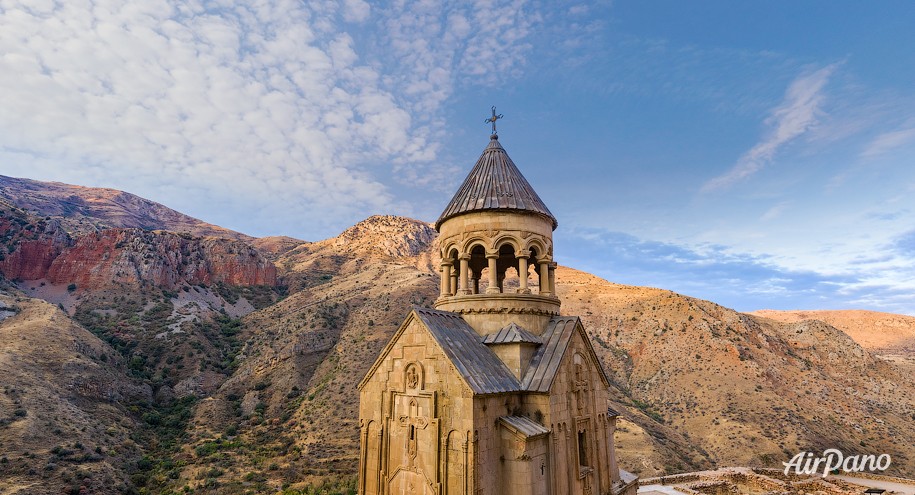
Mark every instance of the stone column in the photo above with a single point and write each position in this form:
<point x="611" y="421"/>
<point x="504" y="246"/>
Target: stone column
<point x="474" y="285"/>
<point x="522" y="274"/>
<point x="545" y="277"/>
<point x="363" y="454"/>
<point x="493" y="275"/>
<point x="614" y="468"/>
<point x="464" y="276"/>
<point x="454" y="282"/>
<point x="446" y="277"/>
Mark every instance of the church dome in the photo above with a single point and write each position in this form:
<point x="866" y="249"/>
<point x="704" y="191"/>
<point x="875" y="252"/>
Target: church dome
<point x="495" y="183"/>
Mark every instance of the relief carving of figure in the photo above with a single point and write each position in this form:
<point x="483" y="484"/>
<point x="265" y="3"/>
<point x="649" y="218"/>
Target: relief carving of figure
<point x="412" y="377"/>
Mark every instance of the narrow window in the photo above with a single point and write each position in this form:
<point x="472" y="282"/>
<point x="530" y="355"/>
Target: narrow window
<point x="582" y="448"/>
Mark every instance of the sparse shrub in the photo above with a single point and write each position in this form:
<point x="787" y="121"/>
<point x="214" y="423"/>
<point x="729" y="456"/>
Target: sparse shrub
<point x="139" y="479"/>
<point x="71" y="288"/>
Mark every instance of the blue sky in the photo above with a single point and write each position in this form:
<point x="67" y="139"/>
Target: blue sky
<point x="755" y="154"/>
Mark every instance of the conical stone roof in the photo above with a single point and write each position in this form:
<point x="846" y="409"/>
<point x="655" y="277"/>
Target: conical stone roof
<point x="495" y="183"/>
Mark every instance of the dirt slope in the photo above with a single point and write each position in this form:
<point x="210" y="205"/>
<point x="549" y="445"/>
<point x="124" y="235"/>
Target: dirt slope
<point x="871" y="329"/>
<point x="63" y="422"/>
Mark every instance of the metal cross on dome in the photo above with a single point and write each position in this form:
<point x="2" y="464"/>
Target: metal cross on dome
<point x="492" y="120"/>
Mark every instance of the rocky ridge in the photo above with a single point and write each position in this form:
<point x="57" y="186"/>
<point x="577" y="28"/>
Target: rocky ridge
<point x="875" y="331"/>
<point x="744" y="390"/>
<point x="37" y="248"/>
<point x="273" y="399"/>
<point x="90" y="209"/>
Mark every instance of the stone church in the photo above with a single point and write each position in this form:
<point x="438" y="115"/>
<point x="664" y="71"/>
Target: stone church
<point x="492" y="392"/>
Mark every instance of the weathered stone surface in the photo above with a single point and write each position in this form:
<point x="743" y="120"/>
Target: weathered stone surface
<point x="39" y="249"/>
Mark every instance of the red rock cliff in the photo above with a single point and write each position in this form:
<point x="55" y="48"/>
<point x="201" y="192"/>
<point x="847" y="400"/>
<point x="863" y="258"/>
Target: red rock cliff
<point x="39" y="249"/>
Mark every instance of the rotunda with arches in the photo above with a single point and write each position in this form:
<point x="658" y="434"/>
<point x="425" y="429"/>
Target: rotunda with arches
<point x="497" y="246"/>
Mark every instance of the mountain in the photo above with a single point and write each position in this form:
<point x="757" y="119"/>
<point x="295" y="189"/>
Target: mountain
<point x="165" y="307"/>
<point x="292" y="401"/>
<point x="884" y="333"/>
<point x="235" y="378"/>
<point x="65" y="426"/>
<point x="745" y="390"/>
<point x="90" y="209"/>
<point x="40" y="249"/>
<point x="699" y="385"/>
<point x="274" y="246"/>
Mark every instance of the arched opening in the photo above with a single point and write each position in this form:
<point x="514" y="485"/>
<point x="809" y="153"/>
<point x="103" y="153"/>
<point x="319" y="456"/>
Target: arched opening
<point x="534" y="281"/>
<point x="507" y="269"/>
<point x="478" y="270"/>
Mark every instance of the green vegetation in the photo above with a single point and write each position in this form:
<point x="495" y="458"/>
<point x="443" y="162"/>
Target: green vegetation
<point x="164" y="429"/>
<point x="260" y="296"/>
<point x="338" y="486"/>
<point x="141" y="326"/>
<point x="649" y="410"/>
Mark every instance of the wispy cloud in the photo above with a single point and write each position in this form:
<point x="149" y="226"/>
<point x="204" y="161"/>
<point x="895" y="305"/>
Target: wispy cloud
<point x="796" y="115"/>
<point x="889" y="141"/>
<point x="775" y="211"/>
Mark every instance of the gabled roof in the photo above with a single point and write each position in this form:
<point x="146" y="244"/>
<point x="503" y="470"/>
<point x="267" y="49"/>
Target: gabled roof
<point x="480" y="368"/>
<point x="512" y="334"/>
<point x="523" y="426"/>
<point x="495" y="183"/>
<point x="546" y="361"/>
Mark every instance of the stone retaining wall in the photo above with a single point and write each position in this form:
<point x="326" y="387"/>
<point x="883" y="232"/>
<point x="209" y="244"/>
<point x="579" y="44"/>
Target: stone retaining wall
<point x="731" y="481"/>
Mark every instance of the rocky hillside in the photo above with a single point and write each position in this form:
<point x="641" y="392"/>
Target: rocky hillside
<point x="231" y="384"/>
<point x="65" y="426"/>
<point x="89" y="209"/>
<point x="875" y="331"/>
<point x="292" y="401"/>
<point x="699" y="385"/>
<point x="743" y="389"/>
<point x="377" y="239"/>
<point x="165" y="307"/>
<point x="40" y="249"/>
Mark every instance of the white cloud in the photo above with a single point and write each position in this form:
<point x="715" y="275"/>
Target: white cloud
<point x="796" y="115"/>
<point x="775" y="211"/>
<point x="356" y="10"/>
<point x="889" y="141"/>
<point x="267" y="108"/>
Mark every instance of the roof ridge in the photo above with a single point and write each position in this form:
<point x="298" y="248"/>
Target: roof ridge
<point x="512" y="333"/>
<point x="442" y="312"/>
<point x="477" y="365"/>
